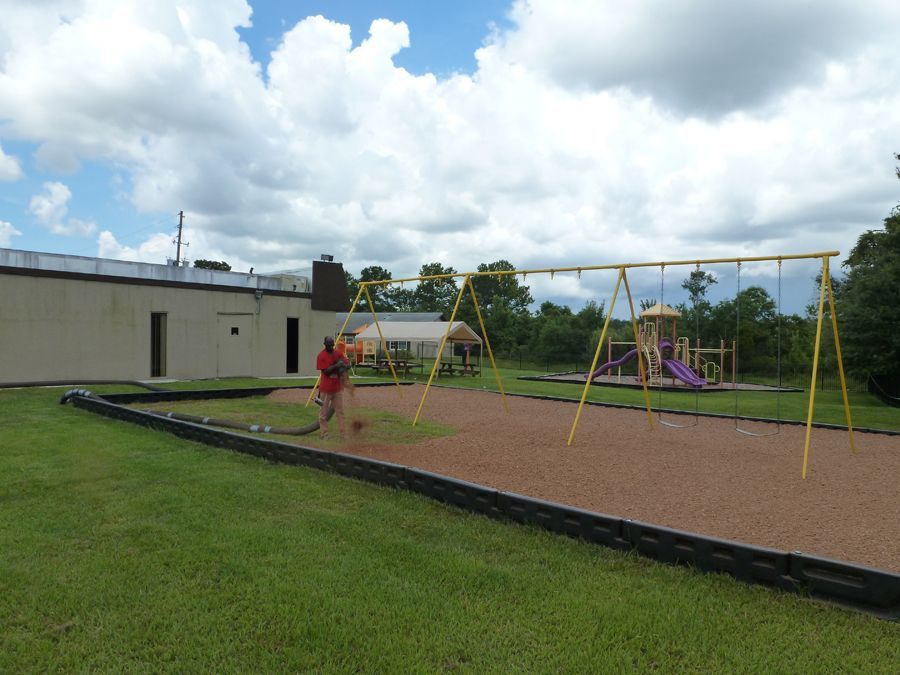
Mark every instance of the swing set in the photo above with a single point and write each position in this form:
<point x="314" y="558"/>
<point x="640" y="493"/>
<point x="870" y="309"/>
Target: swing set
<point x="622" y="280"/>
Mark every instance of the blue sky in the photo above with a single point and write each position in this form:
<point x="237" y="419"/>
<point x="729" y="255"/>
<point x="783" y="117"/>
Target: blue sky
<point x="549" y="133"/>
<point x="445" y="34"/>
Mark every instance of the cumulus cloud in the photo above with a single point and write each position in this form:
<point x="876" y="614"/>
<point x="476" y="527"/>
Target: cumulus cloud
<point x="57" y="157"/>
<point x="50" y="209"/>
<point x="700" y="56"/>
<point x="7" y="232"/>
<point x="154" y="249"/>
<point x="9" y="167"/>
<point x="590" y="133"/>
<point x="51" y="206"/>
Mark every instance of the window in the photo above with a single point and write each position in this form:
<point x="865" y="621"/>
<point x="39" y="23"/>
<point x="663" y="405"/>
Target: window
<point x="235" y="330"/>
<point x="398" y="344"/>
<point x="157" y="344"/>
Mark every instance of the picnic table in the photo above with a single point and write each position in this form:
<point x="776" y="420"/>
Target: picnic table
<point x="450" y="368"/>
<point x="400" y="365"/>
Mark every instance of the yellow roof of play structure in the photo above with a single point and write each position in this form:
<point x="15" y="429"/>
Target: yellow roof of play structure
<point x="660" y="310"/>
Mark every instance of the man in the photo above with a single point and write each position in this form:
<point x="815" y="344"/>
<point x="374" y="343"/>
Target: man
<point x="332" y="365"/>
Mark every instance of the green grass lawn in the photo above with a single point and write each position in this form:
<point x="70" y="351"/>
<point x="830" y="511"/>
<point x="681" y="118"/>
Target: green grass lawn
<point x="126" y="549"/>
<point x="381" y="427"/>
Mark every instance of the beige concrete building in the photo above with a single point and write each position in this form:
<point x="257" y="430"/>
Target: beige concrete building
<point x="70" y="318"/>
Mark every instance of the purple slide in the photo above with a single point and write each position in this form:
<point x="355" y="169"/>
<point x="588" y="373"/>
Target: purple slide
<point x="613" y="364"/>
<point x="683" y="373"/>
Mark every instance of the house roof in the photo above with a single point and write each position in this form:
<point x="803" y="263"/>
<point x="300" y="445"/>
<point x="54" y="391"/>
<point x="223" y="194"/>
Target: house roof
<point x="421" y="331"/>
<point x="660" y="310"/>
<point x="361" y="319"/>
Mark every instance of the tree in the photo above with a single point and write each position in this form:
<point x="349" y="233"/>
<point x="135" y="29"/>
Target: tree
<point x="504" y="307"/>
<point x="647" y="303"/>
<point x="551" y="330"/>
<point x="352" y="288"/>
<point x="435" y="295"/>
<point x="589" y="323"/>
<point x="402" y="299"/>
<point x="867" y="302"/>
<point x="757" y="332"/>
<point x="212" y="265"/>
<point x="381" y="296"/>
<point x="696" y="285"/>
<point x="501" y="288"/>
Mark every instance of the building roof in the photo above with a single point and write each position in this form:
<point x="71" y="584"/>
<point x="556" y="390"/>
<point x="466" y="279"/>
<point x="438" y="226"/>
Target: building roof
<point x="421" y="331"/>
<point x="361" y="319"/>
<point x="34" y="263"/>
<point x="660" y="310"/>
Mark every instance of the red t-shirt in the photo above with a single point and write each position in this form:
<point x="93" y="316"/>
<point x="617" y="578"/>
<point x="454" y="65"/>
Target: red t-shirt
<point x="328" y="384"/>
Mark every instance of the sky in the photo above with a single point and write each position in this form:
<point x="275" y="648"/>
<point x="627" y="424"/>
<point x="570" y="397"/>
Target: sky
<point x="549" y="133"/>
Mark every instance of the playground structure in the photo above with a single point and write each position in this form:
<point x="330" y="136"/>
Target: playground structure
<point x="687" y="364"/>
<point x="622" y="280"/>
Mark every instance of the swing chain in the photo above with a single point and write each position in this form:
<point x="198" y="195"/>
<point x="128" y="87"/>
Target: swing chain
<point x="778" y="358"/>
<point x="737" y="360"/>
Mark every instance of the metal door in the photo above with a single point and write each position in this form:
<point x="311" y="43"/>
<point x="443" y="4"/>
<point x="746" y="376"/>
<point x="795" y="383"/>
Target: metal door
<point x="235" y="345"/>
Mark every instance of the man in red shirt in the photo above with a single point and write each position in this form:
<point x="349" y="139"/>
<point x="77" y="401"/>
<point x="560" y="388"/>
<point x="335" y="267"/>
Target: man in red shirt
<point x="332" y="365"/>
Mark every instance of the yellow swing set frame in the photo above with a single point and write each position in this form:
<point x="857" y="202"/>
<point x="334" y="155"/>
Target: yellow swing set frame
<point x="621" y="279"/>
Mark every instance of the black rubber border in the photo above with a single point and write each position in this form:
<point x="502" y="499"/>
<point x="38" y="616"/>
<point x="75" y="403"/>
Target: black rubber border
<point x="864" y="589"/>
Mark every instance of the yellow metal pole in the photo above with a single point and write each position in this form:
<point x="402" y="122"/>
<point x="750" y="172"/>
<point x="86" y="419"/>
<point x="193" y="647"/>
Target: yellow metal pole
<point x="382" y="340"/>
<point x="840" y="360"/>
<point x="815" y="369"/>
<point x="340" y="332"/>
<point x="588" y="268"/>
<point x="637" y="344"/>
<point x="313" y="391"/>
<point x="487" y="342"/>
<point x="587" y="383"/>
<point x="437" y="360"/>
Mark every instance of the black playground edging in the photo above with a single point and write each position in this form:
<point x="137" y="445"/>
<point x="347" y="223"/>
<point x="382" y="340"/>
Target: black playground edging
<point x="864" y="589"/>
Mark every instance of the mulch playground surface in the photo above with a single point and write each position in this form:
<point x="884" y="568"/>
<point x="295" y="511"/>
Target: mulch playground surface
<point x="706" y="479"/>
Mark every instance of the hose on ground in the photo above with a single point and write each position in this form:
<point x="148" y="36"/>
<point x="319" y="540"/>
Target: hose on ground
<point x="198" y="419"/>
<point x="228" y="424"/>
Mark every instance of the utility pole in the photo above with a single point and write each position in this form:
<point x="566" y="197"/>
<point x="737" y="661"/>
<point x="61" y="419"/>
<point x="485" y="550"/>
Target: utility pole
<point x="178" y="239"/>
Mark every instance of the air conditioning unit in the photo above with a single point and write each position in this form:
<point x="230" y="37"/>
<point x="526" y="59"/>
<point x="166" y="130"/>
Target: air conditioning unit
<point x="294" y="284"/>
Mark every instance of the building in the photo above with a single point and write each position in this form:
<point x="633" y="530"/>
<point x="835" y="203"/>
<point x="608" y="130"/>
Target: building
<point x="419" y="339"/>
<point x="69" y="318"/>
<point x="362" y="318"/>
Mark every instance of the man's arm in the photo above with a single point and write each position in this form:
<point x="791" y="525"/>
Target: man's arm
<point x="339" y="364"/>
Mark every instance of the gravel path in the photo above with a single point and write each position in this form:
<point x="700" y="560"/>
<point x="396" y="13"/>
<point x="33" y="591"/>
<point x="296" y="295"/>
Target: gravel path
<point x="706" y="479"/>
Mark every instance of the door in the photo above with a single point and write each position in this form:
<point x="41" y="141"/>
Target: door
<point x="235" y="345"/>
<point x="293" y="346"/>
<point x="157" y="344"/>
